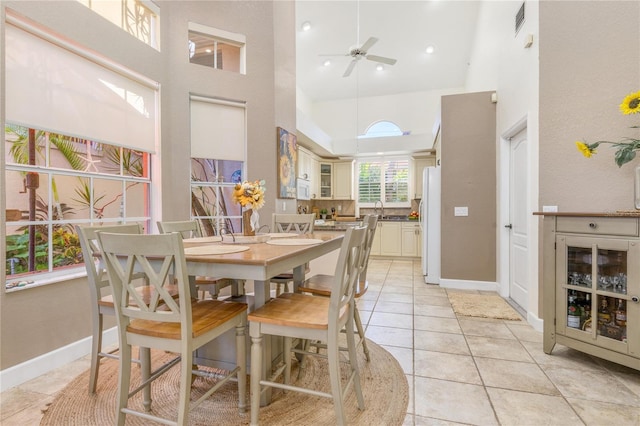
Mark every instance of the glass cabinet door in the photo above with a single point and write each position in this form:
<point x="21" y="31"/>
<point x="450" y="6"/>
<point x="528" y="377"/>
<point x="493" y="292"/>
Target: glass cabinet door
<point x="594" y="300"/>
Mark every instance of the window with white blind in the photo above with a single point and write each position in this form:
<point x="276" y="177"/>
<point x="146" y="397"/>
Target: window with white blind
<point x="385" y="179"/>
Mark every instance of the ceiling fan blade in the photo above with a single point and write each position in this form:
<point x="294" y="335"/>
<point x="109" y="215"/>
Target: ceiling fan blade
<point x="334" y="54"/>
<point x="367" y="44"/>
<point x="381" y="59"/>
<point x="350" y="68"/>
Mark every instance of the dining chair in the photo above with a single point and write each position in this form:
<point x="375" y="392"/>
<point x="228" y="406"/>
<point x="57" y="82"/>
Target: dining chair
<point x="321" y="284"/>
<point x="180" y="326"/>
<point x="290" y="223"/>
<point x="98" y="281"/>
<point x="302" y="316"/>
<point x="189" y="229"/>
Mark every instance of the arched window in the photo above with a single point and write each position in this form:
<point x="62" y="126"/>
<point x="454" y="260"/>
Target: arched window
<point x="382" y="128"/>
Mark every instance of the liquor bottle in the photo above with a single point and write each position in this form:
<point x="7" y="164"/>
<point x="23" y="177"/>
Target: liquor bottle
<point x="604" y="316"/>
<point x="621" y="314"/>
<point x="586" y="308"/>
<point x="573" y="313"/>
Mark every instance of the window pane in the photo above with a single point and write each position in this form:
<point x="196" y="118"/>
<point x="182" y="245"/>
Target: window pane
<point x="369" y="182"/>
<point x="17" y="146"/>
<point x="68" y="198"/>
<point x="137" y="196"/>
<point x="214" y="52"/>
<point x="18" y="252"/>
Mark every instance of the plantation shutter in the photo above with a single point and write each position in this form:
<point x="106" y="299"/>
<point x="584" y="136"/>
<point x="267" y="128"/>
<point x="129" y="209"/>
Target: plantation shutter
<point x="396" y="181"/>
<point x="369" y="182"/>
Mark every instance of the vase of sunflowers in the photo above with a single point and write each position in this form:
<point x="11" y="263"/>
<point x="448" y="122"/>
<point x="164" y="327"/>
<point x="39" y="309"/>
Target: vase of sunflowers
<point x="250" y="195"/>
<point x="626" y="148"/>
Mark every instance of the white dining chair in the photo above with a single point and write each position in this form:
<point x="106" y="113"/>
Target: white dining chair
<point x="212" y="285"/>
<point x="302" y="316"/>
<point x="180" y="326"/>
<point x="322" y="284"/>
<point x="101" y="303"/>
<point x="290" y="223"/>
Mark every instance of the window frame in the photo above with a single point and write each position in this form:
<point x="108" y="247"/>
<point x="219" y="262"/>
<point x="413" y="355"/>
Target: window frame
<point x="385" y="160"/>
<point x="225" y="37"/>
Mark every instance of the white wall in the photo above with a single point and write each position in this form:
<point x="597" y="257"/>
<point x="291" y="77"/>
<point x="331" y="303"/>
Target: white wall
<point x="500" y="62"/>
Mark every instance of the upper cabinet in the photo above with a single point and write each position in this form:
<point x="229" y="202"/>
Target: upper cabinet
<point x="419" y="164"/>
<point x="308" y="169"/>
<point x="336" y="180"/>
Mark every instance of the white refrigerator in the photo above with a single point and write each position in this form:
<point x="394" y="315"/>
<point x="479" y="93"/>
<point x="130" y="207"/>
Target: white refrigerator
<point x="430" y="224"/>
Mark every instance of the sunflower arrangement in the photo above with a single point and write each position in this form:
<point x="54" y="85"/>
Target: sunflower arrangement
<point x="249" y="194"/>
<point x="626" y="149"/>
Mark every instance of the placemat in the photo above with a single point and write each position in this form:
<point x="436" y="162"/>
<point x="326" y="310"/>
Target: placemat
<point x="294" y="241"/>
<point x="214" y="249"/>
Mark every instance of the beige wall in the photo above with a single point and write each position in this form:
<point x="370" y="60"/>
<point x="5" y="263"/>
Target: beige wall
<point x="39" y="320"/>
<point x="589" y="60"/>
<point x="468" y="157"/>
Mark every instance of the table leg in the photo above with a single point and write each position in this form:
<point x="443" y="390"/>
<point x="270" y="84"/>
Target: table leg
<point x="262" y="293"/>
<point x="298" y="277"/>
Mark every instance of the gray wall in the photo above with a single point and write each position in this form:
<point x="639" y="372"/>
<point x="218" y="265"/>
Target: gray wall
<point x="39" y="320"/>
<point x="468" y="156"/>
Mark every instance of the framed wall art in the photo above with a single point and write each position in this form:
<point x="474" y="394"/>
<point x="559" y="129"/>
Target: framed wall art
<point x="287" y="160"/>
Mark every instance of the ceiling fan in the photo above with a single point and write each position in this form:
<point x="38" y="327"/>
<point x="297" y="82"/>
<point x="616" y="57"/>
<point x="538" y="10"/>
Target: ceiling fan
<point x="358" y="53"/>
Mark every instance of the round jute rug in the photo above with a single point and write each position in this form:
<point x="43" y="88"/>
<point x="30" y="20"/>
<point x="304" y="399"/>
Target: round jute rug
<point x="384" y="386"/>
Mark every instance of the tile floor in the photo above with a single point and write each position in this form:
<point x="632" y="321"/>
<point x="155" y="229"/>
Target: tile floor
<point x="460" y="370"/>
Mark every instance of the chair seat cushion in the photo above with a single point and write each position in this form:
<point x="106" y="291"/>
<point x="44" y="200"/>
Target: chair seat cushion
<point x="295" y="310"/>
<point x="144" y="291"/>
<point x="206" y="315"/>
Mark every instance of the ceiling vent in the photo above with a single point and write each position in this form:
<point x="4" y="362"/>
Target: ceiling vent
<point x="520" y="18"/>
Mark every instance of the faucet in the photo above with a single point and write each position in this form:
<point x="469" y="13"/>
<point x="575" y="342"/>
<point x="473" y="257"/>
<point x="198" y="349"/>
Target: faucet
<point x="375" y="208"/>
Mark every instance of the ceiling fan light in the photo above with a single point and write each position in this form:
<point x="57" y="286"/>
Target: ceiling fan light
<point x="380" y="67"/>
<point x="430" y="49"/>
<point x="306" y="26"/>
<point x="326" y="63"/>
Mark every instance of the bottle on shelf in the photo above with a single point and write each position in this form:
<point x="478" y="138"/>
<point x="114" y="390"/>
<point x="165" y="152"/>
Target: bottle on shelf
<point x="586" y="310"/>
<point x="621" y="314"/>
<point x="573" y="313"/>
<point x="604" y="316"/>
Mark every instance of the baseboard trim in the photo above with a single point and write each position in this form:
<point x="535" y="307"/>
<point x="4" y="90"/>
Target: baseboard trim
<point x="469" y="285"/>
<point x="535" y="322"/>
<point x="21" y="373"/>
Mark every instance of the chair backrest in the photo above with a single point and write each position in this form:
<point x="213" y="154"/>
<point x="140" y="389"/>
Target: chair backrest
<point x="371" y="222"/>
<point x="297" y="223"/>
<point x="348" y="269"/>
<point x="159" y="259"/>
<point x="88" y="237"/>
<point x="186" y="228"/>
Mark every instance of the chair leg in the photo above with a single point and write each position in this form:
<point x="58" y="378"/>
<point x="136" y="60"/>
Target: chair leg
<point x="256" y="376"/>
<point x="333" y="354"/>
<point x="356" y="316"/>
<point x="353" y="361"/>
<point x="286" y="355"/>
<point x="124" y="381"/>
<point x="145" y="372"/>
<point x="96" y="348"/>
<point x="241" y="361"/>
<point x="185" y="387"/>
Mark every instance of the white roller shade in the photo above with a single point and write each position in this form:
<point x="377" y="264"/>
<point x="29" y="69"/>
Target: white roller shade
<point x="51" y="88"/>
<point x="218" y="129"/>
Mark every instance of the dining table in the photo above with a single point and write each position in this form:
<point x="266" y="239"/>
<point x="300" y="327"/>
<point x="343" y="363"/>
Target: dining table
<point x="258" y="260"/>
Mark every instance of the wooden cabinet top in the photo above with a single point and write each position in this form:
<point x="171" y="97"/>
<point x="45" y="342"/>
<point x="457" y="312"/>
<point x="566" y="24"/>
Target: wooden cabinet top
<point x="629" y="213"/>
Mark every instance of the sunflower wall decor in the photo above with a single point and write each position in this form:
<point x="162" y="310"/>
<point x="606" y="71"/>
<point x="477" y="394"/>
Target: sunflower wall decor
<point x="287" y="160"/>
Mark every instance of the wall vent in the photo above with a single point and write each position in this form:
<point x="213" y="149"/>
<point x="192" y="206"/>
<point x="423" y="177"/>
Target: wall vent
<point x="520" y="18"/>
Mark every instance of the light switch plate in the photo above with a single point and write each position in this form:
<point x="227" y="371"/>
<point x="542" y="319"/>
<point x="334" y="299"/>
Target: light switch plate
<point x="550" y="209"/>
<point x="461" y="211"/>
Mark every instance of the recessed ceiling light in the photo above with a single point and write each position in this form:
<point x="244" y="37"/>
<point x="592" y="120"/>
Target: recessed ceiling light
<point x="207" y="50"/>
<point x="306" y="26"/>
<point x="327" y="63"/>
<point x="379" y="67"/>
<point x="430" y="49"/>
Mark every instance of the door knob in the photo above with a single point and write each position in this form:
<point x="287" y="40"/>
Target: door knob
<point x="635" y="299"/>
<point x="509" y="226"/>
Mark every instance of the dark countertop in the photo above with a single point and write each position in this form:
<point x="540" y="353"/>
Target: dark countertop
<point x="337" y="225"/>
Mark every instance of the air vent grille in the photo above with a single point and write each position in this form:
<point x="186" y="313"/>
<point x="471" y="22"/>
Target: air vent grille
<point x="520" y="18"/>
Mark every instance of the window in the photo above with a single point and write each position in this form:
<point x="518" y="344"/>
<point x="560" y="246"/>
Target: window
<point x="137" y="17"/>
<point x="218" y="146"/>
<point x="382" y="129"/>
<point x="71" y="157"/>
<point x="385" y="179"/>
<point x="217" y="49"/>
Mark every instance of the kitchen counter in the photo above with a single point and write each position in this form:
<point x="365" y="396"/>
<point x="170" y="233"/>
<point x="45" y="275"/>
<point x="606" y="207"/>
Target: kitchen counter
<point x="338" y="225"/>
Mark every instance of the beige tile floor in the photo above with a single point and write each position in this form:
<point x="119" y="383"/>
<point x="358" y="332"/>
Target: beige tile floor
<point x="460" y="370"/>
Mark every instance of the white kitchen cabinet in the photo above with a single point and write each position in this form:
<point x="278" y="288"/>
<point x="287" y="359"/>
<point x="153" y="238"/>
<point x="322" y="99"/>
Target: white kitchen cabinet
<point x="390" y="238"/>
<point x="304" y="164"/>
<point x="326" y="180"/>
<point x="418" y="166"/>
<point x="411" y="244"/>
<point x="343" y="180"/>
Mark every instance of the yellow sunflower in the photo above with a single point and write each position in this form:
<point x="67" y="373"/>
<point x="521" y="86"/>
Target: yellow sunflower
<point x="631" y="104"/>
<point x="586" y="149"/>
<point x="249" y="194"/>
<point x="285" y="171"/>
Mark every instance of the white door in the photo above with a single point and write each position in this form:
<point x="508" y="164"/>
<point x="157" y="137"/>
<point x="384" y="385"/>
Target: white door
<point x="518" y="241"/>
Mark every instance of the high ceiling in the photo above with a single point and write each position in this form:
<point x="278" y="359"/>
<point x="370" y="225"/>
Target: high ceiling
<point x="404" y="30"/>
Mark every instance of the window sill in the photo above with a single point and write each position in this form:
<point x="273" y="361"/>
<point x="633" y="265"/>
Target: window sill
<point x="46" y="279"/>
